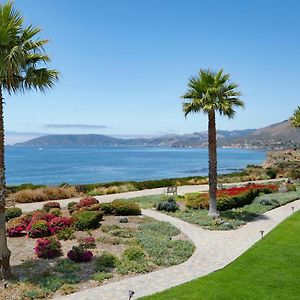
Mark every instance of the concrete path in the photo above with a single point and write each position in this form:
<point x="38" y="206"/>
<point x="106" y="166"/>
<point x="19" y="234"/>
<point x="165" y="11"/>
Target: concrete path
<point x="181" y="190"/>
<point x="214" y="250"/>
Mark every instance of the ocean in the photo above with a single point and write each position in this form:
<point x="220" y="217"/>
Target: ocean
<point x="53" y="166"/>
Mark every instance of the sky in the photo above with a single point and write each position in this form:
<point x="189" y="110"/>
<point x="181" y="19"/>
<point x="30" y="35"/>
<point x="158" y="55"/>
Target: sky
<point x="125" y="63"/>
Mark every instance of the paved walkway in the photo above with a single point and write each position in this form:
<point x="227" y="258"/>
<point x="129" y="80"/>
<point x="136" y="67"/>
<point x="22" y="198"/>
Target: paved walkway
<point x="181" y="190"/>
<point x="214" y="250"/>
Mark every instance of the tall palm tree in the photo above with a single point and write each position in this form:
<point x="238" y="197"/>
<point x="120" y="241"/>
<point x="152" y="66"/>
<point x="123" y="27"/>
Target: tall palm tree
<point x="295" y="119"/>
<point x="210" y="92"/>
<point x="23" y="67"/>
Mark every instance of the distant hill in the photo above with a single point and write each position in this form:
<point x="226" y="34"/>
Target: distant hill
<point x="276" y="136"/>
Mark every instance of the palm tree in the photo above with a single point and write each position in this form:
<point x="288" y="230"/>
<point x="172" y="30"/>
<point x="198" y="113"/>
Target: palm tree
<point x="295" y="119"/>
<point x="210" y="92"/>
<point x="22" y="68"/>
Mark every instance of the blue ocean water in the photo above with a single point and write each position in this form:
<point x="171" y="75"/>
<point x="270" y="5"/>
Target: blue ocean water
<point x="89" y="165"/>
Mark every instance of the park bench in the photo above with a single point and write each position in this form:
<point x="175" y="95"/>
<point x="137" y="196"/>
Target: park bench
<point x="171" y="190"/>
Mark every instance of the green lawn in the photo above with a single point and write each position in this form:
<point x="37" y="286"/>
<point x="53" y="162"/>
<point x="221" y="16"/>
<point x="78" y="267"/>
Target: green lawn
<point x="268" y="270"/>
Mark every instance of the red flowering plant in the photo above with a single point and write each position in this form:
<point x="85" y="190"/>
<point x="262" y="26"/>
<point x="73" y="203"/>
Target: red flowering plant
<point x="38" y="228"/>
<point x="59" y="223"/>
<point x="47" y="247"/>
<point x="16" y="227"/>
<point x="88" y="242"/>
<point x="47" y="206"/>
<point x="86" y="202"/>
<point x="79" y="254"/>
<point x="39" y="216"/>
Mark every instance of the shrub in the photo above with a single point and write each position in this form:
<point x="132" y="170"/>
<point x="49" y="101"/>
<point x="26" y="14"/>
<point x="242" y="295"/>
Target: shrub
<point x="68" y="288"/>
<point x="106" y="261"/>
<point x="291" y="187"/>
<point x="170" y="205"/>
<point x="134" y="253"/>
<point x="72" y="206"/>
<point x="125" y="208"/>
<point x="55" y="211"/>
<point x="41" y="215"/>
<point x="106" y="208"/>
<point x="196" y="201"/>
<point x="65" y="234"/>
<point x="29" y="196"/>
<point x="16" y="227"/>
<point x="38" y="228"/>
<point x="86" y="220"/>
<point x="59" y="223"/>
<point x="47" y="247"/>
<point x="79" y="254"/>
<point x="101" y="276"/>
<point x="12" y="212"/>
<point x="49" y="205"/>
<point x="67" y="266"/>
<point x="271" y="173"/>
<point x="88" y="242"/>
<point x="86" y="202"/>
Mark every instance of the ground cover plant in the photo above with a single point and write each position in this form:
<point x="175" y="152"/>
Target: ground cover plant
<point x="268" y="270"/>
<point x="67" y="257"/>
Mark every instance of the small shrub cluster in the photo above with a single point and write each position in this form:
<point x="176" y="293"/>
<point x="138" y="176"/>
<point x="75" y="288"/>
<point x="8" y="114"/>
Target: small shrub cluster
<point x="50" y="205"/>
<point x="86" y="202"/>
<point x="86" y="220"/>
<point x="79" y="254"/>
<point x="66" y="234"/>
<point x="113" y="189"/>
<point x="12" y="212"/>
<point x="43" y="194"/>
<point x="170" y="205"/>
<point x="47" y="247"/>
<point x="16" y="227"/>
<point x="121" y="208"/>
<point x="88" y="242"/>
<point x="38" y="229"/>
<point x="59" y="223"/>
<point x="106" y="261"/>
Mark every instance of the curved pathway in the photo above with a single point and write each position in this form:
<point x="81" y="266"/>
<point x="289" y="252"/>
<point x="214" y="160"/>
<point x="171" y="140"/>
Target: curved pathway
<point x="214" y="250"/>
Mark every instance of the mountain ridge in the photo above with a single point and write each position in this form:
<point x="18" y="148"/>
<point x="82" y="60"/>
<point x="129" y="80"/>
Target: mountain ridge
<point x="275" y="136"/>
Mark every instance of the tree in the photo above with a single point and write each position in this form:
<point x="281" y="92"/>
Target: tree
<point x="210" y="92"/>
<point x="295" y="119"/>
<point x="23" y="67"/>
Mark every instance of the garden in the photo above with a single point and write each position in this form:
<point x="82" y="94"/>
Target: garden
<point x="59" y="251"/>
<point x="236" y="205"/>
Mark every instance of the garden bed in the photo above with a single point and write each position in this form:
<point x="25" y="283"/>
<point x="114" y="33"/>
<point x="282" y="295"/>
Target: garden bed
<point x="120" y="246"/>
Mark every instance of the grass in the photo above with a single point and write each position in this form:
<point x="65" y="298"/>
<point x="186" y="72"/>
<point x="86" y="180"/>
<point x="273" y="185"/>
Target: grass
<point x="268" y="270"/>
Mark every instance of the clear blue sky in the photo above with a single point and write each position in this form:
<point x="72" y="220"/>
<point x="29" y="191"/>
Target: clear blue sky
<point x="125" y="63"/>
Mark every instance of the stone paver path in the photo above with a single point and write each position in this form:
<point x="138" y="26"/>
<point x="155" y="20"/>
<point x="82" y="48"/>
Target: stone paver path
<point x="214" y="250"/>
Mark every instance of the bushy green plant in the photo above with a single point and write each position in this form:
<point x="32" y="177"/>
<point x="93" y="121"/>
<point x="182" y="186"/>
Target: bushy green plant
<point x="134" y="253"/>
<point x="65" y="234"/>
<point x="55" y="211"/>
<point x="106" y="261"/>
<point x="72" y="206"/>
<point x="170" y="205"/>
<point x="12" y="212"/>
<point x="106" y="208"/>
<point x="125" y="208"/>
<point x="271" y="173"/>
<point x="68" y="288"/>
<point x="86" y="220"/>
<point x="67" y="266"/>
<point x="101" y="276"/>
<point x="39" y="229"/>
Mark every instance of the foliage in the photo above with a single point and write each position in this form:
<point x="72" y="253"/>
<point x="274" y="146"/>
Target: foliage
<point x="72" y="206"/>
<point x="65" y="234"/>
<point x="58" y="223"/>
<point x="88" y="242"/>
<point x="49" y="205"/>
<point x="12" y="212"/>
<point x="43" y="194"/>
<point x="125" y="208"/>
<point x="68" y="288"/>
<point x="106" y="261"/>
<point x="272" y="173"/>
<point x="101" y="276"/>
<point x="86" y="220"/>
<point x="48" y="247"/>
<point x="295" y="119"/>
<point x="169" y="205"/>
<point x="38" y="229"/>
<point x="55" y="211"/>
<point x="79" y="254"/>
<point x="67" y="266"/>
<point x="118" y="231"/>
<point x="134" y="253"/>
<point x="85" y="202"/>
<point x="16" y="227"/>
<point x="156" y="239"/>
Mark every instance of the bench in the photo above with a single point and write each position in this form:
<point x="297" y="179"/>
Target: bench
<point x="171" y="190"/>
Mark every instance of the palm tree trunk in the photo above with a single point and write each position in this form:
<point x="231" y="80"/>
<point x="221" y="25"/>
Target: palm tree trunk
<point x="4" y="251"/>
<point x="212" y="164"/>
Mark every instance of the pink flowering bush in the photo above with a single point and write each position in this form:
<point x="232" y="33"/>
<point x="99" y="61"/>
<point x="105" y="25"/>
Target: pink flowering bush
<point x="86" y="202"/>
<point x="38" y="228"/>
<point x="16" y="227"/>
<point x="79" y="254"/>
<point x="59" y="223"/>
<point x="47" y="247"/>
<point x="88" y="242"/>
